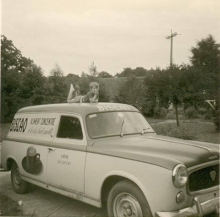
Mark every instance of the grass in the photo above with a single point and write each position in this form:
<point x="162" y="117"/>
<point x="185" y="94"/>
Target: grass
<point x="203" y="131"/>
<point x="178" y="132"/>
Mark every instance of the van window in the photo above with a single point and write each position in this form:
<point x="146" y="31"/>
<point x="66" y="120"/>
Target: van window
<point x="70" y="127"/>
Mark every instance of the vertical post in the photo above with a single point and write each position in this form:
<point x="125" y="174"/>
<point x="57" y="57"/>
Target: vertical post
<point x="171" y="50"/>
<point x="171" y="46"/>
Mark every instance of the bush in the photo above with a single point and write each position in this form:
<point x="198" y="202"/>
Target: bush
<point x="156" y="112"/>
<point x="208" y="115"/>
<point x="177" y="132"/>
<point x="163" y="112"/>
<point x="202" y="111"/>
<point x="216" y="119"/>
<point x="171" y="115"/>
<point x="160" y="112"/>
<point x="191" y="113"/>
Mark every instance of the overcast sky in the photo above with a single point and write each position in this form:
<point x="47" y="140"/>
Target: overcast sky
<point x="115" y="34"/>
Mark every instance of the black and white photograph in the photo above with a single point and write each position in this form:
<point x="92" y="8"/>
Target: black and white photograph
<point x="110" y="108"/>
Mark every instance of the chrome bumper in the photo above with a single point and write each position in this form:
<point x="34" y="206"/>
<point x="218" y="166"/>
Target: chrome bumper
<point x="198" y="209"/>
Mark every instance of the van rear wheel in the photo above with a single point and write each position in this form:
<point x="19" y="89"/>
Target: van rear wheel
<point x="19" y="185"/>
<point x="126" y="199"/>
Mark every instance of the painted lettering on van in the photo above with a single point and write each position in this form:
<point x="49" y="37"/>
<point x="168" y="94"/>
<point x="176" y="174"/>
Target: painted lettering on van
<point x="40" y="131"/>
<point x="42" y="121"/>
<point x="35" y="121"/>
<point x="113" y="107"/>
<point x="18" y="125"/>
<point x="47" y="121"/>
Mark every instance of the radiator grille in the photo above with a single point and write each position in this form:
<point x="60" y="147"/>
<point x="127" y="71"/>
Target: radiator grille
<point x="204" y="178"/>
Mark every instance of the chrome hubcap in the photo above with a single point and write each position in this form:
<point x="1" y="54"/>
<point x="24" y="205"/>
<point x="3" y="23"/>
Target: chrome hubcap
<point x="126" y="205"/>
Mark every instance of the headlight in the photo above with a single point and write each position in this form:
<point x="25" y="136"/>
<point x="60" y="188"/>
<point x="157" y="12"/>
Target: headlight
<point x="180" y="176"/>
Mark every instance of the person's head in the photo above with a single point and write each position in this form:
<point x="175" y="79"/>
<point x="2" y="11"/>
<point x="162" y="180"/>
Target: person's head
<point x="94" y="87"/>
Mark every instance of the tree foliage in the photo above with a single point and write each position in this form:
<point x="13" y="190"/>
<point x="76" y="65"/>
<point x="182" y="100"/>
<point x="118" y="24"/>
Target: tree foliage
<point x="165" y="87"/>
<point x="131" y="92"/>
<point x="138" y="72"/>
<point x="206" y="54"/>
<point x="23" y="82"/>
<point x="57" y="83"/>
<point x="93" y="70"/>
<point x="206" y="62"/>
<point x="20" y="76"/>
<point x="104" y="74"/>
<point x="11" y="57"/>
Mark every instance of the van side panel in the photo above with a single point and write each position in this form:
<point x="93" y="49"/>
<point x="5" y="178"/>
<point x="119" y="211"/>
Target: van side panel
<point x="151" y="179"/>
<point x="18" y="152"/>
<point x="27" y="143"/>
<point x="34" y="127"/>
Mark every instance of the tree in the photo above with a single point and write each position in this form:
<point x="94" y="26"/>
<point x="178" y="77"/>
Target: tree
<point x="206" y="54"/>
<point x="138" y="72"/>
<point x="206" y="60"/>
<point x="56" y="71"/>
<point x="11" y="57"/>
<point x="165" y="87"/>
<point x="125" y="73"/>
<point x="93" y="70"/>
<point x="19" y="78"/>
<point x="32" y="78"/>
<point x="193" y="95"/>
<point x="56" y="77"/>
<point x="132" y="93"/>
<point x="71" y="79"/>
<point x="104" y="74"/>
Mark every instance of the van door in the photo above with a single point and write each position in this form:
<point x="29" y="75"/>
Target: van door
<point x="67" y="155"/>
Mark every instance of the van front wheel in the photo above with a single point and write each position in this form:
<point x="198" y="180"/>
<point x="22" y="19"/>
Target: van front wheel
<point x="126" y="199"/>
<point x="19" y="185"/>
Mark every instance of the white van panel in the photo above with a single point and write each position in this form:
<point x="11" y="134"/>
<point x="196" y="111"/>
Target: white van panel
<point x="18" y="151"/>
<point x="65" y="169"/>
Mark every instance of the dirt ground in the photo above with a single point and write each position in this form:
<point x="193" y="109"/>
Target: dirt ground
<point x="41" y="202"/>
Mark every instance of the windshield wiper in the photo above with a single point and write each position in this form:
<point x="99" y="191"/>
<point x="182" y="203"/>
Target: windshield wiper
<point x="145" y="130"/>
<point x="122" y="127"/>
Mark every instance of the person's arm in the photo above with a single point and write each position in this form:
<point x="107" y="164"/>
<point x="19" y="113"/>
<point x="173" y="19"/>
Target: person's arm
<point x="94" y="99"/>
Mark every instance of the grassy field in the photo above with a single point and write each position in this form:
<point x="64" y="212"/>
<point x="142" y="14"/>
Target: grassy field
<point x="204" y="130"/>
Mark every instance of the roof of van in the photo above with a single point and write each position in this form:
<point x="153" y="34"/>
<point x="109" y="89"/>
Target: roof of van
<point x="80" y="108"/>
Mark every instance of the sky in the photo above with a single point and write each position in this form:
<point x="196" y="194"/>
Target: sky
<point x="114" y="34"/>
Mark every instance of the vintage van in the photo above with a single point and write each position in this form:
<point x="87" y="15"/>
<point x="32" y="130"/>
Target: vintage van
<point x="108" y="154"/>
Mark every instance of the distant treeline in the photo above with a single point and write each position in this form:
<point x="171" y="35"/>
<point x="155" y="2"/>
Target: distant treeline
<point x="24" y="84"/>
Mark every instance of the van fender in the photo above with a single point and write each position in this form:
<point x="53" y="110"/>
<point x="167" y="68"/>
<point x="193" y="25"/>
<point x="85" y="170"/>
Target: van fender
<point x="9" y="158"/>
<point x="125" y="175"/>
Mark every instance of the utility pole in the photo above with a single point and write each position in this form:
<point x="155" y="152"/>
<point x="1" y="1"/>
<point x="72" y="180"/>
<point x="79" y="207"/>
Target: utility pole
<point x="171" y="46"/>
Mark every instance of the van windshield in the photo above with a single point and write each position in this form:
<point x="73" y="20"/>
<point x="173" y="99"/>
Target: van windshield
<point x="117" y="123"/>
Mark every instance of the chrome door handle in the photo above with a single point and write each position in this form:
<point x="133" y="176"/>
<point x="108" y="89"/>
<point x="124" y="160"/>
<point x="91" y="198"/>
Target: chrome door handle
<point x="51" y="149"/>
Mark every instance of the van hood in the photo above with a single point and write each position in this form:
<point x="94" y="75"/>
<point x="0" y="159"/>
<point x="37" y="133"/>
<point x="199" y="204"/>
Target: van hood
<point x="159" y="150"/>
